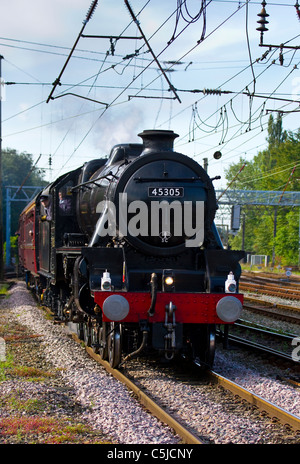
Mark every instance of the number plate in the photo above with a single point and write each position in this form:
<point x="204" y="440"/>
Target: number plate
<point x="165" y="191"/>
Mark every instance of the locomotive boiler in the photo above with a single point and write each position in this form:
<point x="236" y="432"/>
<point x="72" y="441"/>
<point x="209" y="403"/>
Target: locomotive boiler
<point x="126" y="248"/>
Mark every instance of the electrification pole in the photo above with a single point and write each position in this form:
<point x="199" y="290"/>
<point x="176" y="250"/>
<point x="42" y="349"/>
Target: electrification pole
<point x="1" y="200"/>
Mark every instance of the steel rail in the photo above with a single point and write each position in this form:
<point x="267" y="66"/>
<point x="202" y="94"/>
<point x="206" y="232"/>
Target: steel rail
<point x="268" y="286"/>
<point x="292" y="280"/>
<point x="259" y="347"/>
<point x="281" y="293"/>
<point x="262" y="404"/>
<point x="186" y="436"/>
<point x="260" y="329"/>
<point x="265" y="305"/>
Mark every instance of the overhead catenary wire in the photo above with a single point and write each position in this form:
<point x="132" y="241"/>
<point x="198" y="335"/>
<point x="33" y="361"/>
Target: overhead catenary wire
<point x="268" y="174"/>
<point x="53" y="122"/>
<point x="251" y="66"/>
<point x="233" y="180"/>
<point x="102" y="113"/>
<point x="115" y="101"/>
<point x="269" y="97"/>
<point x="198" y="42"/>
<point x="92" y="124"/>
<point x="30" y="171"/>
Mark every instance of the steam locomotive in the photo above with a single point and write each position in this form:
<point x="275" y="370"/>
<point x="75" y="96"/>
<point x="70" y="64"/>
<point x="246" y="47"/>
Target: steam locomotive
<point x="126" y="249"/>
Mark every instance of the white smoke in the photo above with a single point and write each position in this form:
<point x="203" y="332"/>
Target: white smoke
<point x="118" y="126"/>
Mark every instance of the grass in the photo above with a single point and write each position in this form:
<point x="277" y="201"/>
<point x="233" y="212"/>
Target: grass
<point x="29" y="373"/>
<point x="4" y="289"/>
<point x="260" y="268"/>
<point x="31" y="420"/>
<point x="30" y="406"/>
<point x="46" y="430"/>
<point x="28" y="421"/>
<point x="5" y="366"/>
<point x="8" y="368"/>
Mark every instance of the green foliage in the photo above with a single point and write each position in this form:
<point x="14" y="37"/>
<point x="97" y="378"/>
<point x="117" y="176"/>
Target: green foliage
<point x="276" y="168"/>
<point x="18" y="169"/>
<point x="3" y="288"/>
<point x="5" y="365"/>
<point x="275" y="133"/>
<point x="35" y="429"/>
<point x="25" y="169"/>
<point x="286" y="242"/>
<point x="13" y="249"/>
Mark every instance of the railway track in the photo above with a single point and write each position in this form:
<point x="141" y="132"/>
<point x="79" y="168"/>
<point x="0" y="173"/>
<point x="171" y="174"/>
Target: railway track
<point x="291" y="294"/>
<point x="255" y="400"/>
<point x="264" y="284"/>
<point x="263" y="339"/>
<point x="277" y="311"/>
<point x="187" y="396"/>
<point x="187" y="436"/>
<point x="271" y="277"/>
<point x="186" y="433"/>
<point x="266" y="406"/>
<point x="284" y="312"/>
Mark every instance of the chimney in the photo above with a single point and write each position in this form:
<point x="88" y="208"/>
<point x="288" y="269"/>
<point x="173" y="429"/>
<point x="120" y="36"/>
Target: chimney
<point x="157" y="140"/>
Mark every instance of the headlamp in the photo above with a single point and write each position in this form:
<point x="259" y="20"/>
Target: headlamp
<point x="168" y="281"/>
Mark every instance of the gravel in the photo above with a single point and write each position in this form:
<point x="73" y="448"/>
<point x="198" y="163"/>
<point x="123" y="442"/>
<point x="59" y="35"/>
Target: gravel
<point x="216" y="415"/>
<point x="260" y="378"/>
<point x="102" y="402"/>
<point x="106" y="404"/>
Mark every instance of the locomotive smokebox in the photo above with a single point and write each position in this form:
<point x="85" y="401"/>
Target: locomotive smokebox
<point x="157" y="140"/>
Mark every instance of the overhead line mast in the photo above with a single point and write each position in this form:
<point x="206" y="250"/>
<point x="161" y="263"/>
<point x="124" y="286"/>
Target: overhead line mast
<point x="88" y="17"/>
<point x="150" y="50"/>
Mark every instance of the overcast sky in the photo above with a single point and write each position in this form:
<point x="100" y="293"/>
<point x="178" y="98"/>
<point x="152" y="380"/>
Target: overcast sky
<point x="209" y="49"/>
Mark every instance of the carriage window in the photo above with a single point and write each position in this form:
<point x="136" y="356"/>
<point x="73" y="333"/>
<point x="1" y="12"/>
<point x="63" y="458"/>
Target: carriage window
<point x="65" y="200"/>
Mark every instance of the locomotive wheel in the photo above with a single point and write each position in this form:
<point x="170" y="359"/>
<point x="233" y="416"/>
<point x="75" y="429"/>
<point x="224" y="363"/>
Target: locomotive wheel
<point x="114" y="345"/>
<point x="95" y="330"/>
<point x="80" y="332"/>
<point x="87" y="333"/>
<point x="204" y="344"/>
<point x="103" y="351"/>
<point x="61" y="304"/>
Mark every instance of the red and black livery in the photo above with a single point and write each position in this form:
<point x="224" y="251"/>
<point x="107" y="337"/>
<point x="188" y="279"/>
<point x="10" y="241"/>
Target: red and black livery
<point x="128" y="292"/>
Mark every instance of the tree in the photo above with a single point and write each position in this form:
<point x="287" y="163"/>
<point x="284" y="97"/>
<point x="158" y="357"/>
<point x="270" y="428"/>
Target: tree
<point x="17" y="168"/>
<point x="12" y="176"/>
<point x="276" y="168"/>
<point x="286" y="241"/>
<point x="276" y="134"/>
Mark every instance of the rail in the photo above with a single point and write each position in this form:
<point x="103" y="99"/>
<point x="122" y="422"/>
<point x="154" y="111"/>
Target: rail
<point x="186" y="436"/>
<point x="282" y="415"/>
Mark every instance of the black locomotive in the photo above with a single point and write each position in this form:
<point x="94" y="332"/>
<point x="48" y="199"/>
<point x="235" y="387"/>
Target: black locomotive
<point x="126" y="248"/>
